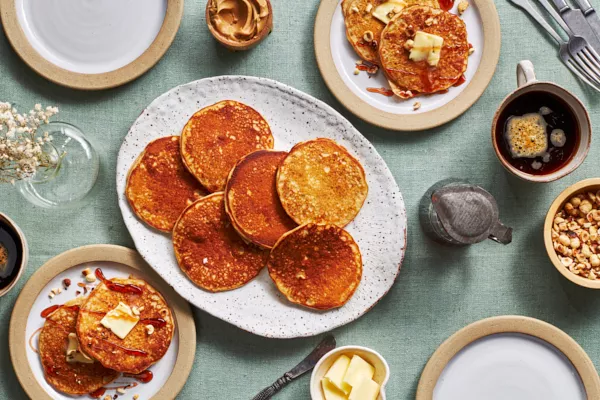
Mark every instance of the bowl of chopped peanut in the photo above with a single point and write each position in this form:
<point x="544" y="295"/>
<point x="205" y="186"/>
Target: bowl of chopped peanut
<point x="572" y="233"/>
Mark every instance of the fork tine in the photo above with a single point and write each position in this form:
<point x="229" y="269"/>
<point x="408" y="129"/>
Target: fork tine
<point x="573" y="66"/>
<point x="592" y="56"/>
<point x="585" y="64"/>
<point x="591" y="68"/>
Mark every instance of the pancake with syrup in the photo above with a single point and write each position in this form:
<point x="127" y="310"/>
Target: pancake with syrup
<point x="317" y="266"/>
<point x="217" y="136"/>
<point x="320" y="181"/>
<point x="409" y="78"/>
<point x="210" y="251"/>
<point x="62" y="358"/>
<point x="147" y="341"/>
<point x="251" y="199"/>
<point x="159" y="187"/>
<point x="359" y="21"/>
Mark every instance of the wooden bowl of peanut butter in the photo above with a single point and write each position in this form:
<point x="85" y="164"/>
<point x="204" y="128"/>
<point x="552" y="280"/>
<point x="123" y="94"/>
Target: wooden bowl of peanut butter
<point x="239" y="24"/>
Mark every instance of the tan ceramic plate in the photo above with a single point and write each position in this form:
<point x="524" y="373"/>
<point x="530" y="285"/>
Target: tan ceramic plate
<point x="587" y="185"/>
<point x="336" y="60"/>
<point x="170" y="373"/>
<point x="56" y="40"/>
<point x="511" y="351"/>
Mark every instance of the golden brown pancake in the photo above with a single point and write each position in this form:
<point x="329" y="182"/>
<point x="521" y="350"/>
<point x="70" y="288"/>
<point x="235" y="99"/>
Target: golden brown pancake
<point x="251" y="199"/>
<point x="209" y="250"/>
<point x="418" y="76"/>
<point x="319" y="181"/>
<point x="359" y="22"/>
<point x="68" y="377"/>
<point x="217" y="136"/>
<point x="140" y="348"/>
<point x="317" y="266"/>
<point x="159" y="187"/>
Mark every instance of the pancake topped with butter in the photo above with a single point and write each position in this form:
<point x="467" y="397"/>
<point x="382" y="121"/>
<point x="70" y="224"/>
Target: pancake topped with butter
<point x="125" y="324"/>
<point x="251" y="199"/>
<point x="366" y="19"/>
<point x="317" y="266"/>
<point x="210" y="251"/>
<point x="217" y="136"/>
<point x="423" y="50"/>
<point x="320" y="181"/>
<point x="66" y="367"/>
<point x="159" y="187"/>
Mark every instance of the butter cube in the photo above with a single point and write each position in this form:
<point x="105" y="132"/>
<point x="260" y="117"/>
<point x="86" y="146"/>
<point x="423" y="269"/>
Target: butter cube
<point x="358" y="370"/>
<point x="367" y="389"/>
<point x="337" y="371"/>
<point x="120" y="320"/>
<point x="382" y="11"/>
<point x="426" y="47"/>
<point x="331" y="392"/>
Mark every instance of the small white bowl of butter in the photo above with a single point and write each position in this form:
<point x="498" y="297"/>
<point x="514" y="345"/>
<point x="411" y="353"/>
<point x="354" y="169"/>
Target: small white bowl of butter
<point x="350" y="373"/>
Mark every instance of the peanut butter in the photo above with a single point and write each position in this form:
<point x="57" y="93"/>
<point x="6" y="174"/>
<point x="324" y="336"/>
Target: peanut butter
<point x="239" y="20"/>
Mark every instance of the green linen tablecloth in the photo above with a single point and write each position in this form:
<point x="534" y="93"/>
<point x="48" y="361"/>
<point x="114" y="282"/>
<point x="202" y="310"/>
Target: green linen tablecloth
<point x="439" y="290"/>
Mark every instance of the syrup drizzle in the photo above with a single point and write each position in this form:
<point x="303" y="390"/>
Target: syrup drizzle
<point x="96" y="394"/>
<point x="144" y="376"/>
<point x="46" y="312"/>
<point x="131" y="352"/>
<point x="460" y="80"/>
<point x="118" y="287"/>
<point x="383" y="91"/>
<point x="155" y="322"/>
<point x="38" y="330"/>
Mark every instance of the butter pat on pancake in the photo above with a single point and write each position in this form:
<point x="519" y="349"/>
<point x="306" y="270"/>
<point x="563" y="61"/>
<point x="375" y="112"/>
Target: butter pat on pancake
<point x="251" y="199"/>
<point x="320" y="181"/>
<point x="209" y="250"/>
<point x="159" y="187"/>
<point x="71" y="377"/>
<point x="317" y="266"/>
<point x="142" y="346"/>
<point x="406" y="75"/>
<point x="217" y="136"/>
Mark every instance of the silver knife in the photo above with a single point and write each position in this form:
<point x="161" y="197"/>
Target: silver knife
<point x="590" y="15"/>
<point x="577" y="22"/>
<point x="306" y="365"/>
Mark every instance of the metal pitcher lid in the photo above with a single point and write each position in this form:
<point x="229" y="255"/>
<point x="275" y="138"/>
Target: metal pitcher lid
<point x="469" y="214"/>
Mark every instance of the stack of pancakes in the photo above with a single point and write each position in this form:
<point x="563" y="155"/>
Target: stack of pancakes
<point x="105" y="355"/>
<point x="390" y="44"/>
<point x="285" y="210"/>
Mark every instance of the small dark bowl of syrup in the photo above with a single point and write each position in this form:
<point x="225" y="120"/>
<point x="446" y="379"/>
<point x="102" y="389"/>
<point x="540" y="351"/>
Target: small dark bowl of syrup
<point x="13" y="254"/>
<point x="541" y="132"/>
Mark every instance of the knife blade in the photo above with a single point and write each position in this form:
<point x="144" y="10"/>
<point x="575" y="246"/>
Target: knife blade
<point x="305" y="365"/>
<point x="578" y="24"/>
<point x="590" y="15"/>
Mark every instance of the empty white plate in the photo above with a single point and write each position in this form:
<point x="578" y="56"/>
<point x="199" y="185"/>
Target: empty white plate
<point x="91" y="44"/>
<point x="509" y="366"/>
<point x="91" y="36"/>
<point x="509" y="358"/>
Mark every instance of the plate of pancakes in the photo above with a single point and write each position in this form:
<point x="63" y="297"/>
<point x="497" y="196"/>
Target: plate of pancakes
<point x="407" y="65"/>
<point x="97" y="321"/>
<point x="261" y="205"/>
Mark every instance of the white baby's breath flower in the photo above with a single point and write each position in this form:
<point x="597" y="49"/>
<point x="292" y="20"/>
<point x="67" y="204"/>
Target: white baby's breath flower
<point x="21" y="151"/>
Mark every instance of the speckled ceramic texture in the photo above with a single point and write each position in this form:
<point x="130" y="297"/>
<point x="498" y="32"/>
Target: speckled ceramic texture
<point x="258" y="307"/>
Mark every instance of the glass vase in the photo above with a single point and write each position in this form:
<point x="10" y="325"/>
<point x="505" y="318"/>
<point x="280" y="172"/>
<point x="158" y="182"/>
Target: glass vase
<point x="72" y="172"/>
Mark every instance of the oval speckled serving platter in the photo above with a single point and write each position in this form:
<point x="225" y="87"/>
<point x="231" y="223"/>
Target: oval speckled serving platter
<point x="258" y="307"/>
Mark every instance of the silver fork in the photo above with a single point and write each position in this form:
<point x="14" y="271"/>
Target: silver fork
<point x="576" y="45"/>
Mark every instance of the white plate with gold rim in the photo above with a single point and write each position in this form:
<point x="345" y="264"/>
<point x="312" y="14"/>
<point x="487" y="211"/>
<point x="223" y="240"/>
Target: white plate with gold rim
<point x="336" y="59"/>
<point x="258" y="307"/>
<point x="509" y="357"/>
<point x="169" y="374"/>
<point x="91" y="44"/>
